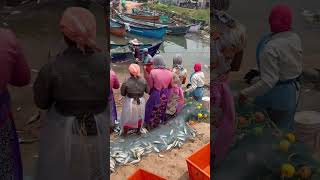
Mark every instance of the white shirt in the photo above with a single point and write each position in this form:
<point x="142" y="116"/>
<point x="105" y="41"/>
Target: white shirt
<point x="197" y="80"/>
<point x="280" y="60"/>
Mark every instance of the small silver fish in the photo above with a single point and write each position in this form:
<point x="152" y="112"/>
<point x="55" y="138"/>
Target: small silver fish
<point x="169" y="147"/>
<point x="127" y="160"/>
<point x="157" y="142"/>
<point x="156" y="149"/>
<point x="185" y="130"/>
<point x="135" y="161"/>
<point x="160" y="155"/>
<point x="171" y="132"/>
<point x="112" y="170"/>
<point x="182" y="139"/>
<point x="119" y="160"/>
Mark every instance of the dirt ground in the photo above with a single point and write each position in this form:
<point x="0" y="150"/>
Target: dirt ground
<point x="173" y="165"/>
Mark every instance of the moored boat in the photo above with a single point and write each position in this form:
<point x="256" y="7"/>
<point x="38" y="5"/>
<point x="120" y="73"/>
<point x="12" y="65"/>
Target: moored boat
<point x="123" y="52"/>
<point x="146" y="17"/>
<point x="117" y="29"/>
<point x="178" y="30"/>
<point x="146" y="30"/>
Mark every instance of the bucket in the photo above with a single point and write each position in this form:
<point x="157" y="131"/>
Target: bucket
<point x="307" y="128"/>
<point x="206" y="102"/>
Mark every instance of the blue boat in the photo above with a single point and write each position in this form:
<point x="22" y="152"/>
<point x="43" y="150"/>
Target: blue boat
<point x="142" y="28"/>
<point x="123" y="52"/>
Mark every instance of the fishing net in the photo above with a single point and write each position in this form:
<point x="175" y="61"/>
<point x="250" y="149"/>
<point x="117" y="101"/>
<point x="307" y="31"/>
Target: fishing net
<point x="262" y="151"/>
<point x="173" y="134"/>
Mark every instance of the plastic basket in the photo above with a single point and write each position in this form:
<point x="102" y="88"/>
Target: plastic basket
<point x="141" y="174"/>
<point x="199" y="164"/>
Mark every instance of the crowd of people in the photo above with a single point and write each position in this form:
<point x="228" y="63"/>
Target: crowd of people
<point x="164" y="86"/>
<point x="71" y="89"/>
<point x="279" y="67"/>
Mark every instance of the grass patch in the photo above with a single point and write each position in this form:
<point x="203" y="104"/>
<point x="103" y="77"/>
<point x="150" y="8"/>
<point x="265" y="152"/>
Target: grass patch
<point x="197" y="14"/>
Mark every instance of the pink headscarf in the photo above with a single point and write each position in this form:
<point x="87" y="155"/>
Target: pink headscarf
<point x="197" y="67"/>
<point x="280" y="19"/>
<point x="79" y="25"/>
<point x="134" y="70"/>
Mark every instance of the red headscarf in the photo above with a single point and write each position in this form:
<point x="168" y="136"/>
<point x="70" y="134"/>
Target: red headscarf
<point x="280" y="18"/>
<point x="197" y="67"/>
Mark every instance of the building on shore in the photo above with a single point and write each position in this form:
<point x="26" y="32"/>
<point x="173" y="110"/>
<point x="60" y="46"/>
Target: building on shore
<point x="187" y="3"/>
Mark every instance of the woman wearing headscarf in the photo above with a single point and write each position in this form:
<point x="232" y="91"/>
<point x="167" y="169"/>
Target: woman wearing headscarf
<point x="147" y="63"/>
<point x="279" y="61"/>
<point x="176" y="95"/>
<point x="178" y="68"/>
<point x="114" y="84"/>
<point x="133" y="109"/>
<point x="159" y="83"/>
<point x="229" y="40"/>
<point x="14" y="71"/>
<point x="72" y="88"/>
<point x="197" y="83"/>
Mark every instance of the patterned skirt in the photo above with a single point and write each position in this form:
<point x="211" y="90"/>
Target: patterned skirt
<point x="156" y="107"/>
<point x="10" y="158"/>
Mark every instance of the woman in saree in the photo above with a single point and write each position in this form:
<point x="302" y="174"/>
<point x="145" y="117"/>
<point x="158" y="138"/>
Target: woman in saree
<point x="72" y="88"/>
<point x="197" y="83"/>
<point x="14" y="71"/>
<point x="114" y="84"/>
<point x="133" y="109"/>
<point x="229" y="40"/>
<point x="279" y="60"/>
<point x="159" y="84"/>
<point x="176" y="94"/>
<point x="176" y="97"/>
<point x="179" y="69"/>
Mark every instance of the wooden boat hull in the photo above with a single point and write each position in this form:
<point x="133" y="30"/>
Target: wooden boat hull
<point x="178" y="30"/>
<point x="147" y="31"/>
<point x="156" y="33"/>
<point x="142" y="28"/>
<point x="128" y="56"/>
<point x="120" y="32"/>
<point x="144" y="17"/>
<point x="117" y="29"/>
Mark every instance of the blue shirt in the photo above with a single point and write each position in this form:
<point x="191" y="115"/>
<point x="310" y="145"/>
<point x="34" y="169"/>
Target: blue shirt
<point x="147" y="59"/>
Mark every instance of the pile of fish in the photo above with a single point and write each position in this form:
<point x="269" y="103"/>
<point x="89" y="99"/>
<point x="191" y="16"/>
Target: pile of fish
<point x="123" y="153"/>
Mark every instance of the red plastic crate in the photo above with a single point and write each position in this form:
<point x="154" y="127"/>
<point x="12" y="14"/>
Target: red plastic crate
<point x="199" y="164"/>
<point x="141" y="174"/>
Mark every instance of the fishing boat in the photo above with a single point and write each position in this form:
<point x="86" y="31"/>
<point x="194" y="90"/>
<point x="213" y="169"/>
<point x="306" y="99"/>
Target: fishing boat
<point x="144" y="16"/>
<point x="117" y="29"/>
<point x="143" y="29"/>
<point x="178" y="30"/>
<point x="123" y="52"/>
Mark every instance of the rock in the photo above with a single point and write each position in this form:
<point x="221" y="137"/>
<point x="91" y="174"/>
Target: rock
<point x="311" y="75"/>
